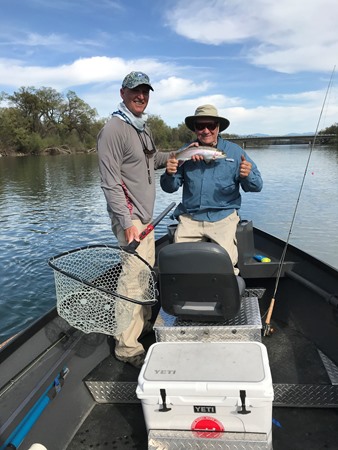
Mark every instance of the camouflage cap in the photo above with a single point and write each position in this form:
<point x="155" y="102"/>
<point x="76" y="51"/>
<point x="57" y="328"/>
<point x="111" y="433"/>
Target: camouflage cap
<point x="134" y="79"/>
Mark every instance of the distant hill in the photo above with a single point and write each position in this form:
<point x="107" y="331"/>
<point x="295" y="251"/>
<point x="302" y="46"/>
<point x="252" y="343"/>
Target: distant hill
<point x="254" y="135"/>
<point x="310" y="133"/>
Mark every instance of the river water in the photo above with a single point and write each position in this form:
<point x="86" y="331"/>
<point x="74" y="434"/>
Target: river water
<point x="52" y="204"/>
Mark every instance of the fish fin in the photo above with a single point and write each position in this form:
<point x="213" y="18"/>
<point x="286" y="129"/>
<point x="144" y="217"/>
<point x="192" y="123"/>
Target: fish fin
<point x="180" y="163"/>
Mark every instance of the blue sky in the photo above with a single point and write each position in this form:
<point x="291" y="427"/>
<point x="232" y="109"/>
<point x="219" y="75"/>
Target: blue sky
<point x="265" y="64"/>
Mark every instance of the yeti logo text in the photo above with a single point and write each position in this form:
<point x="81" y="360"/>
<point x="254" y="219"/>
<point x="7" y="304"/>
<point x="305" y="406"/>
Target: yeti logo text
<point x="165" y="372"/>
<point x="205" y="409"/>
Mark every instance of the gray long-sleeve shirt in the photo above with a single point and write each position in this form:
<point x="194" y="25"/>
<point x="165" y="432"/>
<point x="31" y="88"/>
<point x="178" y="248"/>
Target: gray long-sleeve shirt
<point x="124" y="172"/>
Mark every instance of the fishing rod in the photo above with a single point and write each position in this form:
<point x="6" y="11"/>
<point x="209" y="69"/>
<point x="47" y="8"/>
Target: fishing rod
<point x="267" y="330"/>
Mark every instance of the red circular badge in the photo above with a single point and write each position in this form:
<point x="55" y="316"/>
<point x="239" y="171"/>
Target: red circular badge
<point x="207" y="427"/>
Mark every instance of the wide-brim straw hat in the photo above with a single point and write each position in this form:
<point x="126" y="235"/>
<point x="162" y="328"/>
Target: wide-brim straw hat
<point x="207" y="111"/>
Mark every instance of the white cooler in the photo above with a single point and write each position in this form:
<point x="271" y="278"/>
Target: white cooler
<point x="207" y="386"/>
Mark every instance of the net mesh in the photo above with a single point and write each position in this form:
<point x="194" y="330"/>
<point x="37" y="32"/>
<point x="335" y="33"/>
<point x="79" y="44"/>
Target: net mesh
<point x="97" y="287"/>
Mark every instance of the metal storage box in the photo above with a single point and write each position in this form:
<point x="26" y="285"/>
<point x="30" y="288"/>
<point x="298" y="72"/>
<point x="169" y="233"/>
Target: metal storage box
<point x="215" y="387"/>
<point x="246" y="326"/>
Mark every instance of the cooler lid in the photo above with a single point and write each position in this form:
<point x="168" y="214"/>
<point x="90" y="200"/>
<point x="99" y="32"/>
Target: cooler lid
<point x="209" y="361"/>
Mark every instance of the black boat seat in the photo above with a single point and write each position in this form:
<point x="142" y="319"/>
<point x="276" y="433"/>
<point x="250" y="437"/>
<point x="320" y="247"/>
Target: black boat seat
<point x="197" y="282"/>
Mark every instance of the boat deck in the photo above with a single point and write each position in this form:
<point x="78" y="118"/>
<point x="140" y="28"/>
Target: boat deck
<point x="305" y="411"/>
<point x="97" y="407"/>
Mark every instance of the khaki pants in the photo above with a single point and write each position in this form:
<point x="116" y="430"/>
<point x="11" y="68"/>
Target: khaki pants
<point x="222" y="232"/>
<point x="127" y="343"/>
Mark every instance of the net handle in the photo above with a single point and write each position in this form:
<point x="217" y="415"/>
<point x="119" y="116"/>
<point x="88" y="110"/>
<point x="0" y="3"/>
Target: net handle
<point x="132" y="246"/>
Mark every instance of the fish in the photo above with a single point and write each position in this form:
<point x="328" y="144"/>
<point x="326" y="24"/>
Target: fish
<point x="208" y="153"/>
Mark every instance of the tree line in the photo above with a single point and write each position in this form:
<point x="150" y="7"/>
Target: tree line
<point x="37" y="121"/>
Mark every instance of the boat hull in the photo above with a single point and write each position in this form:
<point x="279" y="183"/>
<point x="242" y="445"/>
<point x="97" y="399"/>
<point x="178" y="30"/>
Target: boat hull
<point x="95" y="403"/>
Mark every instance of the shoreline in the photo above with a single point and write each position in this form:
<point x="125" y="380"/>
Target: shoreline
<point x="51" y="151"/>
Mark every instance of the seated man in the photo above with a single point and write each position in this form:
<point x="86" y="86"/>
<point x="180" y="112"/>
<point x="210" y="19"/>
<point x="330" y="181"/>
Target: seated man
<point x="211" y="189"/>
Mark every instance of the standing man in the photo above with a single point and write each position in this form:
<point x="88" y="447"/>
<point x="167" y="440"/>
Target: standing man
<point x="211" y="190"/>
<point x="127" y="160"/>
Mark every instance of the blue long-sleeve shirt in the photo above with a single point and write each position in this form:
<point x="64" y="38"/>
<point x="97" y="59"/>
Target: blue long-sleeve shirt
<point x="211" y="191"/>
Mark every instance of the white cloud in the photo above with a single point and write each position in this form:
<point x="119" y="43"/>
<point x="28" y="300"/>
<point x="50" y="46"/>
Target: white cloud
<point x="174" y="87"/>
<point x="96" y="69"/>
<point x="279" y="120"/>
<point x="284" y="35"/>
<point x="296" y="59"/>
<point x="301" y="116"/>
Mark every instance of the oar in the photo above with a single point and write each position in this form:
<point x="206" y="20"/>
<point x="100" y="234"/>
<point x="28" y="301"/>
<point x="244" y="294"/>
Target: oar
<point x="130" y="248"/>
<point x="16" y="438"/>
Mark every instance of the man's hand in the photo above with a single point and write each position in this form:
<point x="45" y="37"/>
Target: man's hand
<point x="195" y="157"/>
<point x="244" y="168"/>
<point x="131" y="234"/>
<point x="172" y="164"/>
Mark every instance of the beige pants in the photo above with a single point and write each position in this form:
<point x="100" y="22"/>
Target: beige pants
<point x="127" y="343"/>
<point x="222" y="232"/>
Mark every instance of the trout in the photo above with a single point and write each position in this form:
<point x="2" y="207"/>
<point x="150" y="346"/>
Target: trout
<point x="208" y="153"/>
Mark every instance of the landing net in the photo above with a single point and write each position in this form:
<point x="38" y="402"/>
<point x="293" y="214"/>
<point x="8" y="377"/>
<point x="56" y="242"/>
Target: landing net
<point x="97" y="287"/>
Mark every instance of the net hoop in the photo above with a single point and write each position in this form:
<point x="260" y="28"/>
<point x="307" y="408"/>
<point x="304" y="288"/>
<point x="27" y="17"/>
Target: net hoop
<point x="98" y="286"/>
<point x="52" y="264"/>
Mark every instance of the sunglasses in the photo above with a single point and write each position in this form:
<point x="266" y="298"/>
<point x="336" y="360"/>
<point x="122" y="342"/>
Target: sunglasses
<point x="146" y="150"/>
<point x="211" y="126"/>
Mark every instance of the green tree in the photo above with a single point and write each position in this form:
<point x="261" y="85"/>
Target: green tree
<point x="184" y="134"/>
<point x="39" y="109"/>
<point x="27" y="103"/>
<point x="9" y="121"/>
<point x="333" y="130"/>
<point x="160" y="131"/>
<point x="51" y="104"/>
<point x="77" y="115"/>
